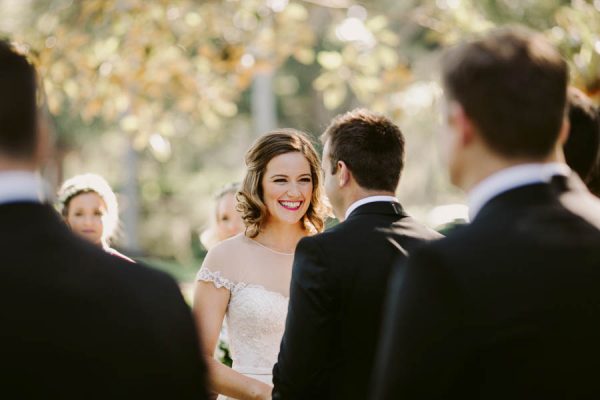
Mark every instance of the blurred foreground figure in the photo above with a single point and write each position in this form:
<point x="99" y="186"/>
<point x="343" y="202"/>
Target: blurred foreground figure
<point x="507" y="307"/>
<point x="583" y="144"/>
<point x="76" y="322"/>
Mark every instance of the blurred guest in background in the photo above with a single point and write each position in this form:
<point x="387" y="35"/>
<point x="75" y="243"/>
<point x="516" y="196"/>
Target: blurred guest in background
<point x="89" y="207"/>
<point x="582" y="149"/>
<point x="583" y="143"/>
<point x="226" y="220"/>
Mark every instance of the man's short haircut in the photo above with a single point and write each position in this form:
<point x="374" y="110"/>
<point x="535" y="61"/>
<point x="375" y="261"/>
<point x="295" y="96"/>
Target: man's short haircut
<point x="582" y="146"/>
<point x="18" y="107"/>
<point x="371" y="145"/>
<point x="512" y="84"/>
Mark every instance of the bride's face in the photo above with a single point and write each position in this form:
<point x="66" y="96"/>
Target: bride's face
<point x="287" y="187"/>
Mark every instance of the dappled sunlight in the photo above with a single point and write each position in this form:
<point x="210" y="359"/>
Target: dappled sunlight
<point x="174" y="92"/>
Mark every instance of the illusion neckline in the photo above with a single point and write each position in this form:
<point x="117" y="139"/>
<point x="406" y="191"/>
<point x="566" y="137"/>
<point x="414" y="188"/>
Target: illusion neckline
<point x="267" y="247"/>
<point x="243" y="285"/>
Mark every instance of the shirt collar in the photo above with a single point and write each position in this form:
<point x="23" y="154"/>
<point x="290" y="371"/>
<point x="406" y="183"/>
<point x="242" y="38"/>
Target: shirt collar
<point x="370" y="199"/>
<point x="511" y="178"/>
<point x="19" y="186"/>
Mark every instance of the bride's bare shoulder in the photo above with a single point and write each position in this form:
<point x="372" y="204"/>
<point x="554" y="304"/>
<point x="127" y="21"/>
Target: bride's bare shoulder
<point x="227" y="249"/>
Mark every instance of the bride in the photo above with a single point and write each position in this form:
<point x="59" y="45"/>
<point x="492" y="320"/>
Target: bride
<point x="246" y="278"/>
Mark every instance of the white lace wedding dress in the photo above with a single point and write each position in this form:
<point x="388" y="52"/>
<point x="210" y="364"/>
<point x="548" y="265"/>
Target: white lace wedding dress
<point x="258" y="279"/>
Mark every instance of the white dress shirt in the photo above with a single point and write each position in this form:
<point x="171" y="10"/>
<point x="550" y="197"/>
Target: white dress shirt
<point x="370" y="199"/>
<point x="19" y="186"/>
<point x="511" y="178"/>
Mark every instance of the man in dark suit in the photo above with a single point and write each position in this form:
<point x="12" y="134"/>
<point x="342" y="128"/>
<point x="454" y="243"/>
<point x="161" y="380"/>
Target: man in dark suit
<point x="76" y="321"/>
<point x="582" y="148"/>
<point x="339" y="277"/>
<point x="507" y="307"/>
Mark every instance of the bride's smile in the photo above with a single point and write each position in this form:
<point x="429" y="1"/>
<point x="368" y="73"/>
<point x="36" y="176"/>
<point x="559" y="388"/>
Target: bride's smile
<point x="291" y="205"/>
<point x="287" y="187"/>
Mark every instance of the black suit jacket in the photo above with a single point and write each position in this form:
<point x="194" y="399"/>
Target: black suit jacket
<point x="507" y="307"/>
<point x="80" y="323"/>
<point x="338" y="284"/>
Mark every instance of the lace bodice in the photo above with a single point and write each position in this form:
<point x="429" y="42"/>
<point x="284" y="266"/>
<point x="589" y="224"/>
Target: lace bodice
<point x="255" y="322"/>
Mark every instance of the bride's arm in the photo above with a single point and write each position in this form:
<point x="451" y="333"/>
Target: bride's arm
<point x="210" y="304"/>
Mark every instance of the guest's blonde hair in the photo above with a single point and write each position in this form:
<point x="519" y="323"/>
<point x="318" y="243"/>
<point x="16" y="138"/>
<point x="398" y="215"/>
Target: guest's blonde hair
<point x="250" y="197"/>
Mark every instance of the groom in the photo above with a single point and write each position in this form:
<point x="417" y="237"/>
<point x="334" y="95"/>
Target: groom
<point x="340" y="277"/>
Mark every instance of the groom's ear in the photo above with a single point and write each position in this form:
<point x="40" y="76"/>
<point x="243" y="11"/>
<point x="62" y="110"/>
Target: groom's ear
<point x="343" y="173"/>
<point x="464" y="124"/>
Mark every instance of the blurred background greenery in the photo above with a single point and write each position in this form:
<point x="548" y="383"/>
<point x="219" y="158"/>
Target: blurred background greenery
<point x="164" y="97"/>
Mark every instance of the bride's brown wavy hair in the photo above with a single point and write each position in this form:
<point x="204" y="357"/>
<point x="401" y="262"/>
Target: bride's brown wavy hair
<point x="250" y="197"/>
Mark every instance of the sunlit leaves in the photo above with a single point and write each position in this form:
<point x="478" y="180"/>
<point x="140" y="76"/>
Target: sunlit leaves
<point x="330" y="59"/>
<point x="334" y="96"/>
<point x="117" y="59"/>
<point x="362" y="59"/>
<point x="578" y="34"/>
<point x="304" y="55"/>
<point x="131" y="62"/>
<point x="451" y="21"/>
<point x="160" y="147"/>
<point x="574" y="28"/>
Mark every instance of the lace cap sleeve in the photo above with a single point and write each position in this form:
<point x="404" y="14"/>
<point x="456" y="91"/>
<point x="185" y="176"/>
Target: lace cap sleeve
<point x="206" y="275"/>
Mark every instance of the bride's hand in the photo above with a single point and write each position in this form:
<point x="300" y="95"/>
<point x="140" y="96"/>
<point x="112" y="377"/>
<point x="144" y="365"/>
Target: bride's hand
<point x="262" y="391"/>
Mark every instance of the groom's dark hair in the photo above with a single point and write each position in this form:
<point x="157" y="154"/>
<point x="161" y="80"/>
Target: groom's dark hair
<point x="370" y="144"/>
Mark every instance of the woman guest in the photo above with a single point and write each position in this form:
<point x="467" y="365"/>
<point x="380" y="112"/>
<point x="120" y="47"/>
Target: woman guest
<point x="246" y="278"/>
<point x="89" y="207"/>
<point x="227" y="221"/>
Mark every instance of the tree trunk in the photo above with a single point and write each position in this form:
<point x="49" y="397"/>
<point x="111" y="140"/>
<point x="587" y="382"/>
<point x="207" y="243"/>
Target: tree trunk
<point x="264" y="111"/>
<point x="131" y="210"/>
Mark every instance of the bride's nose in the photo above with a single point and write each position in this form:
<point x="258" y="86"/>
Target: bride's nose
<point x="294" y="190"/>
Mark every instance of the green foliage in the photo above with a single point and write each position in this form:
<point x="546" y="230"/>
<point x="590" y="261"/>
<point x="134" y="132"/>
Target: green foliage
<point x="573" y="26"/>
<point x="174" y="78"/>
<point x="223" y="353"/>
<point x="181" y="273"/>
